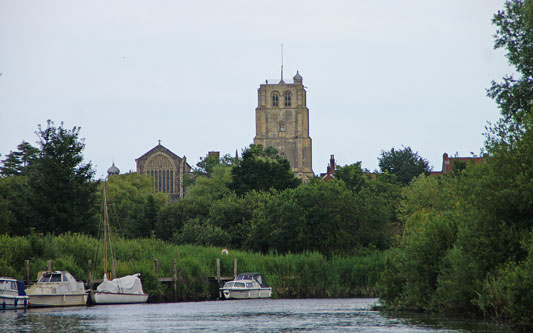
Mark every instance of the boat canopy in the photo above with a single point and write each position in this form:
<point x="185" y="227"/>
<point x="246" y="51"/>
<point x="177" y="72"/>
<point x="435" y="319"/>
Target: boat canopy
<point x="21" y="288"/>
<point x="129" y="284"/>
<point x="253" y="276"/>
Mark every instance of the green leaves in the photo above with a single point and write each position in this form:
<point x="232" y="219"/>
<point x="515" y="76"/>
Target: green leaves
<point x="261" y="170"/>
<point x="515" y="34"/>
<point x="404" y="164"/>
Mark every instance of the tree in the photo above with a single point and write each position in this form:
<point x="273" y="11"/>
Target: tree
<point x="261" y="170"/>
<point x="133" y="208"/>
<point x="352" y="175"/>
<point x="403" y="163"/>
<point x="207" y="164"/>
<point x="61" y="190"/>
<point x="515" y="33"/>
<point x="195" y="206"/>
<point x="16" y="161"/>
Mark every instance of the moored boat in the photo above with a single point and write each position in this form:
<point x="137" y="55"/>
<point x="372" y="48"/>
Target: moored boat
<point x="246" y="286"/>
<point x="57" y="288"/>
<point x="124" y="290"/>
<point x="12" y="294"/>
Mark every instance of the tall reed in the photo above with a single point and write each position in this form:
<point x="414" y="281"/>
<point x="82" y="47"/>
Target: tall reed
<point x="290" y="275"/>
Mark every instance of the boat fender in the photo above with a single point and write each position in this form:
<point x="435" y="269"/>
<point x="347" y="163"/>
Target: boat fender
<point x="16" y="302"/>
<point x="3" y="305"/>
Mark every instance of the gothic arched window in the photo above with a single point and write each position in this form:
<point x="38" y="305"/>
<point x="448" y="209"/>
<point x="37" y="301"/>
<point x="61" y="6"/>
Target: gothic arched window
<point x="287" y="98"/>
<point x="275" y="99"/>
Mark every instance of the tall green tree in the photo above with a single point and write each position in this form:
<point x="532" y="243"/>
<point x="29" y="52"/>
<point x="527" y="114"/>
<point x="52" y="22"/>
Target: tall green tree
<point x="352" y="175"/>
<point x="514" y="95"/>
<point x="16" y="161"/>
<point x="133" y="208"/>
<point x="262" y="169"/>
<point x="404" y="163"/>
<point x="61" y="187"/>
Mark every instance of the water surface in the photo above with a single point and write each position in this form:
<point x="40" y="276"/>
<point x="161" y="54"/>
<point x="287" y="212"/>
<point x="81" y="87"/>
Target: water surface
<point x="268" y="315"/>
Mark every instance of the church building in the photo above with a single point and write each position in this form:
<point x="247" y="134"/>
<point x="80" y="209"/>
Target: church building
<point x="282" y="122"/>
<point x="166" y="169"/>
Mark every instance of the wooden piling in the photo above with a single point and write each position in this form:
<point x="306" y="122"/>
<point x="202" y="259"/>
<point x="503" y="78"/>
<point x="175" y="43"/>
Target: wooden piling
<point x="90" y="275"/>
<point x="49" y="265"/>
<point x="175" y="279"/>
<point x="27" y="270"/>
<point x="235" y="267"/>
<point x="218" y="270"/>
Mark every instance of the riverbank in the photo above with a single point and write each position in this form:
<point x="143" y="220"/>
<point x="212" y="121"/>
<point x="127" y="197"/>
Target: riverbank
<point x="307" y="275"/>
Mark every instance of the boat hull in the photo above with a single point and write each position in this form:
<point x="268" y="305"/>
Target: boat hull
<point x="43" y="300"/>
<point x="13" y="302"/>
<point x="98" y="297"/>
<point x="247" y="293"/>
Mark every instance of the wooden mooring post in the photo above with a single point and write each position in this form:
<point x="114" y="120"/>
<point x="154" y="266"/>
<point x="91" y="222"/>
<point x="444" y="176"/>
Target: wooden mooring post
<point x="90" y="275"/>
<point x="27" y="270"/>
<point x="175" y="279"/>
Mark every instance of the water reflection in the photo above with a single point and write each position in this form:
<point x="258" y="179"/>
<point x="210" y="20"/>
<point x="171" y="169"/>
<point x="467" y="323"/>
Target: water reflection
<point x="240" y="315"/>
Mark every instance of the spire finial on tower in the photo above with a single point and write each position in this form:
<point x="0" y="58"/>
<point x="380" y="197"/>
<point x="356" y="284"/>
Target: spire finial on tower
<point x="281" y="62"/>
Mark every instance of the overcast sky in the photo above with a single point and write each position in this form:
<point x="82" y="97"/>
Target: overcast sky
<point x="379" y="74"/>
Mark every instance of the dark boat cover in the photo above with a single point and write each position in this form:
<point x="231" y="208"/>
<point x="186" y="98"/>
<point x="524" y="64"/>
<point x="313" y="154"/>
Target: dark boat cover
<point x="20" y="287"/>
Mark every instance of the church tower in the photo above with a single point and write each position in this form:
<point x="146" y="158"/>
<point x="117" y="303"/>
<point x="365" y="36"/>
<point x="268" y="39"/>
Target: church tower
<point x="282" y="122"/>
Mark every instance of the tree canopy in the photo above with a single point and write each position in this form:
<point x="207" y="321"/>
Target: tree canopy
<point x="53" y="190"/>
<point x="262" y="169"/>
<point x="514" y="95"/>
<point x="404" y="163"/>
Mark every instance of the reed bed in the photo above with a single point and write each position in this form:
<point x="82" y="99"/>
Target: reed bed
<point x="304" y="275"/>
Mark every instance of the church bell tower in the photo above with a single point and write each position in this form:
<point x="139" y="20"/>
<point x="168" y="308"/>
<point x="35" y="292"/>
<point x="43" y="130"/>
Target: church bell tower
<point x="282" y="122"/>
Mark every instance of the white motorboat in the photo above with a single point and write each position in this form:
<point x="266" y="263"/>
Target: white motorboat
<point x="12" y="294"/>
<point x="124" y="290"/>
<point x="245" y="286"/>
<point x="57" y="288"/>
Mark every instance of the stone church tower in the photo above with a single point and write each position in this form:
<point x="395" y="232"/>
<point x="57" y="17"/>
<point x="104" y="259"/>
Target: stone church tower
<point x="282" y="122"/>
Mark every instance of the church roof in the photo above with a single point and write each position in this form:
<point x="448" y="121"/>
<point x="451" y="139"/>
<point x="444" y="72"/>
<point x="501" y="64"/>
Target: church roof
<point x="156" y="149"/>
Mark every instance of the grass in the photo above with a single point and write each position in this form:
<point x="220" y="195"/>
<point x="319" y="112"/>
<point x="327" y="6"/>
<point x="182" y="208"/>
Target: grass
<point x="304" y="275"/>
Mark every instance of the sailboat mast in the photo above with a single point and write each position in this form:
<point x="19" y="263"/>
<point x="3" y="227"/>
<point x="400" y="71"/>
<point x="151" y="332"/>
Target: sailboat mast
<point x="105" y="229"/>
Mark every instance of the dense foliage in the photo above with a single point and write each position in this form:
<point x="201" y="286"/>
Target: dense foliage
<point x="328" y="217"/>
<point x="291" y="275"/>
<point x="49" y="188"/>
<point x="466" y="245"/>
<point x="262" y="169"/>
<point x="404" y="163"/>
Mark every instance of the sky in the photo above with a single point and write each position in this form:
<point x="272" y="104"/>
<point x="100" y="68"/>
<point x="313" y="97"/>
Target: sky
<point x="379" y="74"/>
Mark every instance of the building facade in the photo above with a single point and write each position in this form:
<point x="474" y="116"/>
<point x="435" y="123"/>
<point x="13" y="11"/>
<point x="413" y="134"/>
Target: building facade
<point x="166" y="170"/>
<point x="449" y="163"/>
<point x="282" y="122"/>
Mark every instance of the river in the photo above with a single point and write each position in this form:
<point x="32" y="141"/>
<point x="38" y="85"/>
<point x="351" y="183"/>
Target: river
<point x="270" y="315"/>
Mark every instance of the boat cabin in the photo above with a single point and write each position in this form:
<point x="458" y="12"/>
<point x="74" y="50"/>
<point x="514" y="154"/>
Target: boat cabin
<point x="252" y="276"/>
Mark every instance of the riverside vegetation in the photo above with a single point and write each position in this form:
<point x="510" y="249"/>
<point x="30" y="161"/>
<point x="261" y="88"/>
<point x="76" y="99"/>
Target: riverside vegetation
<point x="459" y="243"/>
<point x="290" y="275"/>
